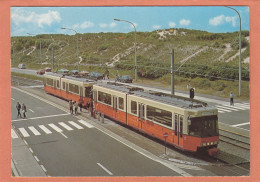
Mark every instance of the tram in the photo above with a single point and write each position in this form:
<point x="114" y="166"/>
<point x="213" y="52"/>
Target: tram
<point x="188" y="124"/>
<point x="68" y="87"/>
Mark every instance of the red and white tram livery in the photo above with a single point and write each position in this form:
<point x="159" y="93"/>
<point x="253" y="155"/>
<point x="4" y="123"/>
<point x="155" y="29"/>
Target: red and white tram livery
<point x="69" y="88"/>
<point x="190" y="124"/>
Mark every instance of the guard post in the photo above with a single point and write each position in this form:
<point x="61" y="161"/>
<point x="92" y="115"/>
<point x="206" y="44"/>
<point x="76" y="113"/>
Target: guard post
<point x="165" y="135"/>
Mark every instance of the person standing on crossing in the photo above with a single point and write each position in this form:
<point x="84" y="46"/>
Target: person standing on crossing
<point x="71" y="106"/>
<point x="18" y="107"/>
<point x="24" y="110"/>
<point x="76" y="107"/>
<point x="232" y="98"/>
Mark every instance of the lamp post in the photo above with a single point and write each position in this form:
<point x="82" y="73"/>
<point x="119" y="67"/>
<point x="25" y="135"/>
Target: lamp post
<point x="135" y="45"/>
<point x="239" y="91"/>
<point x="40" y="47"/>
<point x="77" y="42"/>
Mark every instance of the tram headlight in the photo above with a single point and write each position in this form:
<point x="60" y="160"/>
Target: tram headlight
<point x="216" y="142"/>
<point x="204" y="144"/>
<point x="208" y="143"/>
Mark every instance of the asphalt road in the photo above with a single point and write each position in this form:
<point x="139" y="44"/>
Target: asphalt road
<point x="64" y="145"/>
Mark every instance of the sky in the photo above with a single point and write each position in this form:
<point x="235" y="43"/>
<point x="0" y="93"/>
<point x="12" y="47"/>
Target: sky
<point x="50" y="20"/>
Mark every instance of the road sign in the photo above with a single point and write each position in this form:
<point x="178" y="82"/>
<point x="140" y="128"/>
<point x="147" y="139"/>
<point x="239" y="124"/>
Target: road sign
<point x="165" y="135"/>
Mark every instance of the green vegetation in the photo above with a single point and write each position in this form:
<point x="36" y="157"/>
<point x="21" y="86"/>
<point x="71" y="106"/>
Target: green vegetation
<point x="206" y="64"/>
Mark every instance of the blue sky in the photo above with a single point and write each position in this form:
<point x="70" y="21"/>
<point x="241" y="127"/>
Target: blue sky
<point x="49" y="20"/>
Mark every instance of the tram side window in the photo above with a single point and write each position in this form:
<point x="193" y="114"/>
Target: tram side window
<point x="88" y="92"/>
<point x="176" y="123"/>
<point x="133" y="107"/>
<point x="121" y="103"/>
<point x="159" y="115"/>
<point x="74" y="88"/>
<point x="63" y="85"/>
<point x="58" y="84"/>
<point x="181" y="125"/>
<point x="104" y="97"/>
<point x="49" y="82"/>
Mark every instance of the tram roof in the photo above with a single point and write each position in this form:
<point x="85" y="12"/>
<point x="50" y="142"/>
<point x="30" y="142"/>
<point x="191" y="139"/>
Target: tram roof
<point x="174" y="100"/>
<point x="71" y="77"/>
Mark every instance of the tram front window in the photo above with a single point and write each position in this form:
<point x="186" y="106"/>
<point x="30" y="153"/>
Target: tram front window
<point x="204" y="126"/>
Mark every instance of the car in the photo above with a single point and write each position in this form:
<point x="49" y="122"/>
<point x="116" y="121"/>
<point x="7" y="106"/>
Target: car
<point x="40" y="72"/>
<point x="63" y="71"/>
<point x="125" y="79"/>
<point x="22" y="66"/>
<point x="74" y="72"/>
<point x="47" y="69"/>
<point x="95" y="75"/>
<point x="83" y="73"/>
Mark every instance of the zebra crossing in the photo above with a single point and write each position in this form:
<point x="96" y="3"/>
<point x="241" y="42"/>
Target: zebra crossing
<point x="50" y="128"/>
<point x="225" y="108"/>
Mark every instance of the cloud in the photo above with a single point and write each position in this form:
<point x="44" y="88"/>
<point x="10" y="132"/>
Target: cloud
<point x="221" y="19"/>
<point x="184" y="22"/>
<point x="20" y="16"/>
<point x="84" y="25"/>
<point x="172" y="24"/>
<point x="112" y="25"/>
<point x="104" y="25"/>
<point x="156" y="27"/>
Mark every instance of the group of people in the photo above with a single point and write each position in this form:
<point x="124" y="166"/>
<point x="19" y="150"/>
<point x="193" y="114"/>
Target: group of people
<point x="19" y="108"/>
<point x="74" y="107"/>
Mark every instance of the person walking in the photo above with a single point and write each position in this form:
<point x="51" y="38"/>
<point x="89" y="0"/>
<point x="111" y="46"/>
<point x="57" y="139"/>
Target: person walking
<point x="18" y="107"/>
<point x="71" y="106"/>
<point x="232" y="98"/>
<point x="24" y="110"/>
<point x="76" y="107"/>
<point x="80" y="103"/>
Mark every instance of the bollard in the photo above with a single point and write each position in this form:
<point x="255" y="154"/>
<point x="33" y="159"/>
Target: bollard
<point x="102" y="117"/>
<point x="98" y="115"/>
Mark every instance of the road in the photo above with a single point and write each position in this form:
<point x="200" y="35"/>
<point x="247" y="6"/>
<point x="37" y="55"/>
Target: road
<point x="65" y="145"/>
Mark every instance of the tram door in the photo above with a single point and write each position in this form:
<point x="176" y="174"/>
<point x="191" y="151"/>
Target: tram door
<point x="140" y="115"/>
<point x="178" y="127"/>
<point x="115" y="114"/>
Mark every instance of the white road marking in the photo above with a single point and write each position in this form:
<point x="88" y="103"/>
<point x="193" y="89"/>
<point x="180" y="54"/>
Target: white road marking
<point x="105" y="169"/>
<point x="65" y="126"/>
<point x="238" y="107"/>
<point x="34" y="86"/>
<point x="13" y="134"/>
<point x="46" y="130"/>
<point x="63" y="135"/>
<point x="223" y="110"/>
<point x="42" y="117"/>
<point x="43" y="168"/>
<point x="24" y="132"/>
<point x="75" y="124"/>
<point x="220" y="111"/>
<point x="34" y="130"/>
<point x="228" y="108"/>
<point x="36" y="158"/>
<point x="241" y="124"/>
<point x="55" y="128"/>
<point x="12" y="99"/>
<point x="31" y="150"/>
<point x="86" y="123"/>
<point x="31" y="110"/>
<point x="25" y="142"/>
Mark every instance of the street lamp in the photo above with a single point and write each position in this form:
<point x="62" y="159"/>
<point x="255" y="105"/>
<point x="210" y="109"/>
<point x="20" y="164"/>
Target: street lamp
<point x="77" y="42"/>
<point x="239" y="91"/>
<point x="40" y="47"/>
<point x="135" y="45"/>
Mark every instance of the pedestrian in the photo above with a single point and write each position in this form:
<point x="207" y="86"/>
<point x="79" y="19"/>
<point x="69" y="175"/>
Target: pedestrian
<point x="24" y="110"/>
<point x="80" y="103"/>
<point x="76" y="107"/>
<point x="232" y="98"/>
<point x="88" y="105"/>
<point x="188" y="86"/>
<point x="71" y="106"/>
<point x="18" y="107"/>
